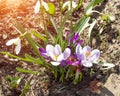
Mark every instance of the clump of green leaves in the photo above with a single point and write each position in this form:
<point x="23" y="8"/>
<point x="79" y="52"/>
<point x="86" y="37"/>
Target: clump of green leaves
<point x="14" y="83"/>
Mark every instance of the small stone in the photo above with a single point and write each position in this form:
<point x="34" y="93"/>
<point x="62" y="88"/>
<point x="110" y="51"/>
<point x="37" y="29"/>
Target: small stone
<point x="4" y="36"/>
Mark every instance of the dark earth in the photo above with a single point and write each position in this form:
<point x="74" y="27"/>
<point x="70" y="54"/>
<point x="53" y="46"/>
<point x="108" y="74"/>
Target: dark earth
<point x="101" y="83"/>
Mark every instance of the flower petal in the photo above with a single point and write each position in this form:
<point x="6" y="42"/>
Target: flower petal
<point x="78" y="49"/>
<point x="75" y="37"/>
<point x="37" y="7"/>
<point x="55" y="63"/>
<point x="50" y="50"/>
<point x="86" y="49"/>
<point x="42" y="51"/>
<point x="10" y="42"/>
<point x="95" y="54"/>
<point x="57" y="50"/>
<point x="18" y="47"/>
<point x="66" y="53"/>
<point x="60" y="57"/>
<point x="86" y="63"/>
<point x="45" y="5"/>
<point x="79" y="52"/>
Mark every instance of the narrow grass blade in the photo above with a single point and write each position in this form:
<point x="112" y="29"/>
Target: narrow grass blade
<point x="54" y="24"/>
<point x="26" y="88"/>
<point x="14" y="56"/>
<point x="27" y="71"/>
<point x="38" y="35"/>
<point x="34" y="60"/>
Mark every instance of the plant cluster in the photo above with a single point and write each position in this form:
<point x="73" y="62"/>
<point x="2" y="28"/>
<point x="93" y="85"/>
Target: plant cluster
<point x="62" y="54"/>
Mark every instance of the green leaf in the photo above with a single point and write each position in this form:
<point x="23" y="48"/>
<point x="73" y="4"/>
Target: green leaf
<point x="97" y="2"/>
<point x="14" y="56"/>
<point x="91" y="5"/>
<point x="54" y="24"/>
<point x="51" y="9"/>
<point x="60" y="34"/>
<point x="26" y="88"/>
<point x="82" y="24"/>
<point x="14" y="82"/>
<point x="39" y="61"/>
<point x="38" y="35"/>
<point x="65" y="19"/>
<point x="27" y="58"/>
<point x="8" y="78"/>
<point x="27" y="71"/>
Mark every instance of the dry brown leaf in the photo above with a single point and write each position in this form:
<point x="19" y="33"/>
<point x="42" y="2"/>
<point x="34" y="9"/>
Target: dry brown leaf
<point x="95" y="86"/>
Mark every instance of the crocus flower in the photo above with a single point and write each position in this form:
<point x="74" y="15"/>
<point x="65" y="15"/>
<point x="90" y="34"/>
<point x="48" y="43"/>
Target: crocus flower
<point x="86" y="55"/>
<point x="74" y="39"/>
<point x="17" y="42"/>
<point x="55" y="53"/>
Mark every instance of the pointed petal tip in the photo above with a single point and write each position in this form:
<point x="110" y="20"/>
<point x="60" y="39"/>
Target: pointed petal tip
<point x="55" y="63"/>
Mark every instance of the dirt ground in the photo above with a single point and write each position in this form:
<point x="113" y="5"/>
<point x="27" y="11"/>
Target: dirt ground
<point x="101" y="83"/>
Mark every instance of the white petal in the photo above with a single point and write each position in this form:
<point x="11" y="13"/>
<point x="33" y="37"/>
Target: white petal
<point x="86" y="49"/>
<point x="18" y="48"/>
<point x="95" y="54"/>
<point x="10" y="42"/>
<point x="73" y="5"/>
<point x="45" y="6"/>
<point x="57" y="50"/>
<point x="50" y="50"/>
<point x="86" y="63"/>
<point x="67" y="4"/>
<point x="37" y="7"/>
<point x="78" y="50"/>
<point x="60" y="57"/>
<point x="17" y="41"/>
<point x="55" y="63"/>
<point x="66" y="53"/>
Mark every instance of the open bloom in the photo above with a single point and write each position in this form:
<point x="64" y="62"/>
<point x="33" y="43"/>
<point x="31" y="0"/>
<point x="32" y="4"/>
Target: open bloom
<point x="17" y="42"/>
<point x="86" y="55"/>
<point x="55" y="53"/>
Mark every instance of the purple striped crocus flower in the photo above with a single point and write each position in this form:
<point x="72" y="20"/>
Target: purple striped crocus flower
<point x="86" y="55"/>
<point x="55" y="53"/>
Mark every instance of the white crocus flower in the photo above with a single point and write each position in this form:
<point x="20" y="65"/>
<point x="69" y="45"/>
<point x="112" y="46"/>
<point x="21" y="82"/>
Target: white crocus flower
<point x="68" y="4"/>
<point x="55" y="53"/>
<point x="17" y="42"/>
<point x="37" y="6"/>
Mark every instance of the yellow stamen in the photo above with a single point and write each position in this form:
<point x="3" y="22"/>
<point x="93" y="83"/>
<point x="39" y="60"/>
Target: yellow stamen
<point x="88" y="54"/>
<point x="55" y="57"/>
